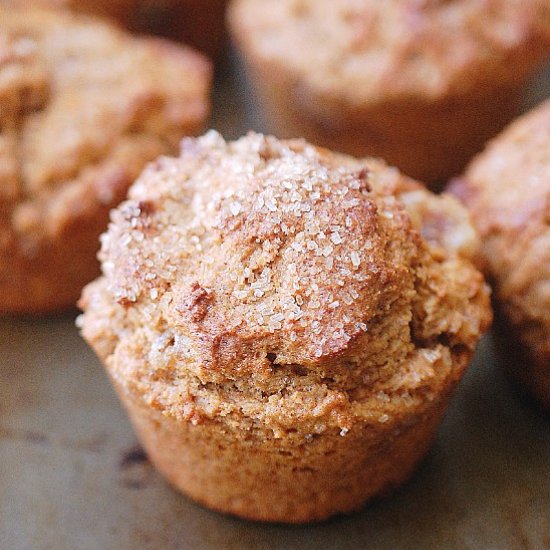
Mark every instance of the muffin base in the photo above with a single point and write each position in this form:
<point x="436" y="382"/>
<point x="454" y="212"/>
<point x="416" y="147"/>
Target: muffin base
<point x="249" y="473"/>
<point x="531" y="376"/>
<point x="199" y="23"/>
<point x="429" y="140"/>
<point x="51" y="278"/>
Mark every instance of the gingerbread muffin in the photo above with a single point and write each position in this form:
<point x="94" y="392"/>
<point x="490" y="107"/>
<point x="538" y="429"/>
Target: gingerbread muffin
<point x="199" y="23"/>
<point x="284" y="325"/>
<point x="507" y="189"/>
<point x="420" y="83"/>
<point x="83" y="108"/>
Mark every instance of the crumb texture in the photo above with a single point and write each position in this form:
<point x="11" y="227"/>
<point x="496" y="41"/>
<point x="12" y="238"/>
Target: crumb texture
<point x="270" y="283"/>
<point x="84" y="107"/>
<point x="407" y="47"/>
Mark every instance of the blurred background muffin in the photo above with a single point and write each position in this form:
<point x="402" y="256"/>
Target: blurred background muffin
<point x="285" y="326"/>
<point x="199" y="23"/>
<point x="420" y="83"/>
<point x="83" y="107"/>
<point x="507" y="189"/>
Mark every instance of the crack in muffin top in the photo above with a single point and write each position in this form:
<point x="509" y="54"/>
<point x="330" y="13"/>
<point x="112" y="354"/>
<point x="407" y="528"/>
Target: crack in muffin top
<point x="365" y="50"/>
<point x="261" y="252"/>
<point x="83" y="107"/>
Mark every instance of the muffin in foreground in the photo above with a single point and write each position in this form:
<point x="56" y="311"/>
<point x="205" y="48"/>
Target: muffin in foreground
<point x="199" y="23"/>
<point x="83" y="108"/>
<point x="284" y="325"/>
<point x="507" y="189"/>
<point x="421" y="84"/>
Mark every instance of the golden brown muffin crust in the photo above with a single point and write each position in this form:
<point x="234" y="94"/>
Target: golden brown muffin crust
<point x="83" y="108"/>
<point x="283" y="284"/>
<point x="366" y="51"/>
<point x="507" y="189"/>
<point x="283" y="324"/>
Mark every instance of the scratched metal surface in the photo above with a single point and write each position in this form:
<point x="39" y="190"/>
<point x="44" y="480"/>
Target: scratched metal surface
<point x="73" y="477"/>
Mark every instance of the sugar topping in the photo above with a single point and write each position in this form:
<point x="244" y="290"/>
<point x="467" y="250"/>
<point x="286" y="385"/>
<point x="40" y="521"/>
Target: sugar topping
<point x="287" y="245"/>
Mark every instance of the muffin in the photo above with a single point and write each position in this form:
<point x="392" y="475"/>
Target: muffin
<point x="83" y="108"/>
<point x="199" y="23"/>
<point x="507" y="189"/>
<point x="284" y="325"/>
<point x="422" y="84"/>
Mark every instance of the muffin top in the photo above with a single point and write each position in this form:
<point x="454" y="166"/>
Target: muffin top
<point x="83" y="107"/>
<point x="263" y="269"/>
<point x="507" y="189"/>
<point x="368" y="50"/>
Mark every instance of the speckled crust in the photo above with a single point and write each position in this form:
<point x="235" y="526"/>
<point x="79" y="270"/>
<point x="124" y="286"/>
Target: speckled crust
<point x="422" y="84"/>
<point x="507" y="189"/>
<point x="284" y="325"/>
<point x="199" y="23"/>
<point x="83" y="107"/>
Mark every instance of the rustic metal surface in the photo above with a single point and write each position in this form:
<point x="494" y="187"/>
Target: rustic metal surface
<point x="73" y="476"/>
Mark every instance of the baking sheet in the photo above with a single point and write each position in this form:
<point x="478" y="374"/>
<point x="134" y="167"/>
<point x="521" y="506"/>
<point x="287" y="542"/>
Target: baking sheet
<point x="73" y="476"/>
